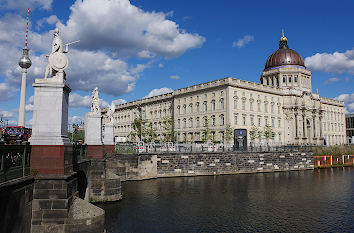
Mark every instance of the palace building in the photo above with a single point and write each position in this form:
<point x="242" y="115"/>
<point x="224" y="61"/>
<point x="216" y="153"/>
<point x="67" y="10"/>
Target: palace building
<point x="282" y="100"/>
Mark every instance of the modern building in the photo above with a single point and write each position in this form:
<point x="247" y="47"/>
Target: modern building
<point x="282" y="100"/>
<point x="349" y="124"/>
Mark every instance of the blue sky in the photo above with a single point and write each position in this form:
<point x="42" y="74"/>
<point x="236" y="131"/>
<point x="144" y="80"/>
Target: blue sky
<point x="132" y="49"/>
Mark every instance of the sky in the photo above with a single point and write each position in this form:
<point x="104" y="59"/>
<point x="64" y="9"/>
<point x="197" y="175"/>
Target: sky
<point x="140" y="48"/>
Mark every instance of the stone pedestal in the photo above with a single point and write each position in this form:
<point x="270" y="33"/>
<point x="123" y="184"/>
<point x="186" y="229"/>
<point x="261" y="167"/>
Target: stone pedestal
<point x="51" y="148"/>
<point x="93" y="135"/>
<point x="108" y="134"/>
<point x="93" y="129"/>
<point x="50" y="112"/>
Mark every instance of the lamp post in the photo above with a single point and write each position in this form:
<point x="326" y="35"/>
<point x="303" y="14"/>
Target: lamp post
<point x="24" y="63"/>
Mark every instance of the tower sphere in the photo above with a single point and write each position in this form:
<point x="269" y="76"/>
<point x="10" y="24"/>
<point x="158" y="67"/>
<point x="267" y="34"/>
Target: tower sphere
<point x="24" y="61"/>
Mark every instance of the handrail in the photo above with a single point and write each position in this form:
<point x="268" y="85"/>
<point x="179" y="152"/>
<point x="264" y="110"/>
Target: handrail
<point x="79" y="152"/>
<point x="15" y="161"/>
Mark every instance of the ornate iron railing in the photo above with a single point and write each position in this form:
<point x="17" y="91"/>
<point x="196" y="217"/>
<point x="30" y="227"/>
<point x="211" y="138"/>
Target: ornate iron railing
<point x="14" y="161"/>
<point x="79" y="152"/>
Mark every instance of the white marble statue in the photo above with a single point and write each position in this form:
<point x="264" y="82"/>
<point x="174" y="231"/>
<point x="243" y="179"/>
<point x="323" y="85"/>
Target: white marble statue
<point x="110" y="113"/>
<point x="58" y="61"/>
<point x="95" y="104"/>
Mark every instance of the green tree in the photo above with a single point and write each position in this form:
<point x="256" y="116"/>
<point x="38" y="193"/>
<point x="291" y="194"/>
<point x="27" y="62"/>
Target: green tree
<point x="228" y="133"/>
<point x="206" y="132"/>
<point x="268" y="133"/>
<point x="254" y="133"/>
<point x="138" y="129"/>
<point x="168" y="127"/>
<point x="150" y="133"/>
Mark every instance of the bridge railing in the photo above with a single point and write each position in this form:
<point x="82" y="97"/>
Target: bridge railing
<point x="14" y="161"/>
<point x="79" y="152"/>
<point x="139" y="148"/>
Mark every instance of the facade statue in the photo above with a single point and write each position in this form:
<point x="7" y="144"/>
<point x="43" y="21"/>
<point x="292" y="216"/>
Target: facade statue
<point x="58" y="61"/>
<point x="110" y="113"/>
<point x="95" y="105"/>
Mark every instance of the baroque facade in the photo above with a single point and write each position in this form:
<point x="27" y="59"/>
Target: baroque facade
<point x="282" y="100"/>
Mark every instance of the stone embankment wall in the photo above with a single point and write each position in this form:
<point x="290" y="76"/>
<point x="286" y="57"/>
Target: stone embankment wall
<point x="16" y="205"/>
<point x="138" y="167"/>
<point x="104" y="185"/>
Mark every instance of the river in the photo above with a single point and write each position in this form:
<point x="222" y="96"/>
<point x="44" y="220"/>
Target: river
<point x="298" y="201"/>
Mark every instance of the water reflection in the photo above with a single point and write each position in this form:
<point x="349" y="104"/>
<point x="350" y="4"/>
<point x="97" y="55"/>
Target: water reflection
<point x="317" y="201"/>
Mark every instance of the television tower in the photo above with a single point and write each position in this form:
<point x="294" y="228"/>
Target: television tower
<point x="24" y="63"/>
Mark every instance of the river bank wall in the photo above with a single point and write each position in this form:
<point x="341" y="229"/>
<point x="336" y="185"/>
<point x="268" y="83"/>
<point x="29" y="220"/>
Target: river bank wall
<point x="147" y="166"/>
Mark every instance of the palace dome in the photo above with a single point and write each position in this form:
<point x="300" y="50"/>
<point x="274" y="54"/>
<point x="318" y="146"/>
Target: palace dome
<point x="284" y="56"/>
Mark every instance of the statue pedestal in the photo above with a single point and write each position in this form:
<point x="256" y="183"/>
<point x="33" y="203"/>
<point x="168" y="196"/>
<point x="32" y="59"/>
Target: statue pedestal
<point x="51" y="148"/>
<point x="93" y="128"/>
<point x="108" y="134"/>
<point x="93" y="135"/>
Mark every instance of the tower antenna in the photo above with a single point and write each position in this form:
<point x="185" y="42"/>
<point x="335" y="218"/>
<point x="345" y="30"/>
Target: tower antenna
<point x="27" y="29"/>
<point x="282" y="32"/>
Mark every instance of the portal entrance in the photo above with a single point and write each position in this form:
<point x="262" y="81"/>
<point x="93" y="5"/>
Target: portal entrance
<point x="240" y="139"/>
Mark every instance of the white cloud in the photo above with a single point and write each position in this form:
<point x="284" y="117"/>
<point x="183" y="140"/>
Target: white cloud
<point x="6" y="92"/>
<point x="7" y="114"/>
<point x="336" y="62"/>
<point x="160" y="91"/>
<point x="119" y="26"/>
<point x="348" y="100"/>
<point x="29" y="105"/>
<point x="243" y="41"/>
<point x="53" y="19"/>
<point x="21" y="4"/>
<point x="332" y="80"/>
<point x="75" y="120"/>
<point x="109" y="30"/>
<point x="145" y="54"/>
<point x="174" y="77"/>
<point x="119" y="101"/>
<point x="78" y="101"/>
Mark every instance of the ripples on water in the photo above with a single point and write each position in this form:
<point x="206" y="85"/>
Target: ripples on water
<point x="298" y="201"/>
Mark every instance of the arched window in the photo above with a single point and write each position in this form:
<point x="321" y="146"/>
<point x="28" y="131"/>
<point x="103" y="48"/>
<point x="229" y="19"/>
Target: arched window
<point x="213" y="120"/>
<point x="197" y="122"/>
<point x="184" y="109"/>
<point x="184" y="123"/>
<point x="178" y="110"/>
<point x="222" y="119"/>
<point x="205" y="121"/>
<point x="213" y="105"/>
<point x="205" y="106"/>
<point x="222" y="106"/>
<point x="190" y="108"/>
<point x="178" y="123"/>
<point x="191" y="122"/>
<point x="197" y="106"/>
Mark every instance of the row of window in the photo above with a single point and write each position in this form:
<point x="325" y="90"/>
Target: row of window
<point x="251" y="106"/>
<point x="205" y="107"/>
<point x="334" y="139"/>
<point x="197" y="97"/>
<point x="333" y="127"/>
<point x="183" y="123"/>
<point x="259" y="120"/>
